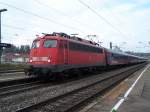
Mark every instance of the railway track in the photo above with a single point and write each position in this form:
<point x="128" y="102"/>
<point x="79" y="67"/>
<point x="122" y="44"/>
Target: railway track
<point x="18" y="85"/>
<point x="11" y="71"/>
<point x="20" y="81"/>
<point x="18" y="88"/>
<point x="70" y="100"/>
<point x="31" y="84"/>
<point x="24" y="97"/>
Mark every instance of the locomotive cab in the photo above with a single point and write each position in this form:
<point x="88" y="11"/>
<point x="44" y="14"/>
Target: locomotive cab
<point x="43" y="51"/>
<point x="43" y="55"/>
<point x="48" y="54"/>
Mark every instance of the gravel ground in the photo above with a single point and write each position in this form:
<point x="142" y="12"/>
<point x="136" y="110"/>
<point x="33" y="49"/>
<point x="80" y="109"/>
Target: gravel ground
<point x="14" y="102"/>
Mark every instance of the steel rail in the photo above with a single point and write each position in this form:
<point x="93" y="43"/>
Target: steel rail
<point x="11" y="71"/>
<point x="57" y="98"/>
<point x="14" y="82"/>
<point x="15" y="89"/>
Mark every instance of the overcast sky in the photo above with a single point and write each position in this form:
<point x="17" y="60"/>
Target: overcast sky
<point x="125" y="23"/>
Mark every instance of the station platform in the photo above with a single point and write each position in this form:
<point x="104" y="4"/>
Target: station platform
<point x="139" y="98"/>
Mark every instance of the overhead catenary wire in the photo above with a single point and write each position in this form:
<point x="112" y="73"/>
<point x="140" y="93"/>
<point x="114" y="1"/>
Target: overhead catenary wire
<point x="102" y="18"/>
<point x="111" y="13"/>
<point x="41" y="17"/>
<point x="63" y="14"/>
<point x="27" y="27"/>
<point x="18" y="28"/>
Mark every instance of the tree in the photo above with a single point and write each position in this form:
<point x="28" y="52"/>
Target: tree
<point x="15" y="49"/>
<point x="12" y="49"/>
<point x="24" y="49"/>
<point x="27" y="48"/>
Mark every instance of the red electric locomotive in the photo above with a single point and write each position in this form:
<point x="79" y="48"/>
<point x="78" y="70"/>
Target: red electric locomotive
<point x="58" y="52"/>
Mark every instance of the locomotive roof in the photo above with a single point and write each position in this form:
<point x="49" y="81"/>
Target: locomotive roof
<point x="70" y="38"/>
<point x="63" y="36"/>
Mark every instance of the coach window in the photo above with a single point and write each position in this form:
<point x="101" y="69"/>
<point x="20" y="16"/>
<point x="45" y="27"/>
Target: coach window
<point x="36" y="44"/>
<point x="50" y="43"/>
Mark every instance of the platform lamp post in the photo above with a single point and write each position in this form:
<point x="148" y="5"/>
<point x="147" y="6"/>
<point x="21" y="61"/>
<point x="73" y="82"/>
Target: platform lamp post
<point x="1" y="10"/>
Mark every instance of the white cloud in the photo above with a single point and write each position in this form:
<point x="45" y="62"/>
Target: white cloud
<point x="125" y="16"/>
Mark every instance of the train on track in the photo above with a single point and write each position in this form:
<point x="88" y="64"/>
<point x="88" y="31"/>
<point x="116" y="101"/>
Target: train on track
<point x="56" y="53"/>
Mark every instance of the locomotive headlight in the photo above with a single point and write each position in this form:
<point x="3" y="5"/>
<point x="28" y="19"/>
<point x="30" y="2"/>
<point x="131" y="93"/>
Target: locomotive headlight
<point x="49" y="60"/>
<point x="31" y="60"/>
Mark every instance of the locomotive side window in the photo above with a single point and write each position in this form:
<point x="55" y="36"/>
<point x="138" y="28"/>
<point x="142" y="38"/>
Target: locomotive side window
<point x="36" y="44"/>
<point x="50" y="43"/>
<point x="63" y="44"/>
<point x="81" y="47"/>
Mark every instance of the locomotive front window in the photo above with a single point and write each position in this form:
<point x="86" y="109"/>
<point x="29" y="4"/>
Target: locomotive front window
<point x="36" y="44"/>
<point x="50" y="43"/>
